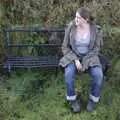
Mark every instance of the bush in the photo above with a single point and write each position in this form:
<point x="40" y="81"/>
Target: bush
<point x="58" y="13"/>
<point x="111" y="42"/>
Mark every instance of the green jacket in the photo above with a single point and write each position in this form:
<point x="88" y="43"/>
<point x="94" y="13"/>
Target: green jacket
<point x="91" y="59"/>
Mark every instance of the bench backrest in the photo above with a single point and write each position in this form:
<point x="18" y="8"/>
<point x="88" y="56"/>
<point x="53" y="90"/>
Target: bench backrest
<point x="43" y="46"/>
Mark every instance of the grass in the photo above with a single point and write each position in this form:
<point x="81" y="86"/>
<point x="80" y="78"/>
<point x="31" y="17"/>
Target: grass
<point x="40" y="95"/>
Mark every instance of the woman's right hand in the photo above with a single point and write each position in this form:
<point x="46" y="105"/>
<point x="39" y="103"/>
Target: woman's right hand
<point x="78" y="65"/>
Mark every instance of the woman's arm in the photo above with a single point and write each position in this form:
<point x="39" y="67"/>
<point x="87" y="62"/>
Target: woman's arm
<point x="67" y="51"/>
<point x="97" y="45"/>
<point x="92" y="57"/>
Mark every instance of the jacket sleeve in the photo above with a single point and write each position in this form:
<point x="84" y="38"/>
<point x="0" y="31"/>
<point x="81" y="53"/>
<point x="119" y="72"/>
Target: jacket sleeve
<point x="66" y="49"/>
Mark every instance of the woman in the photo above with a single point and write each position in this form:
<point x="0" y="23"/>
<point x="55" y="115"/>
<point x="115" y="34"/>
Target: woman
<point x="81" y="46"/>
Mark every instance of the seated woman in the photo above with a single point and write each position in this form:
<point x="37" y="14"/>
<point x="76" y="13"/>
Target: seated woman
<point x="81" y="47"/>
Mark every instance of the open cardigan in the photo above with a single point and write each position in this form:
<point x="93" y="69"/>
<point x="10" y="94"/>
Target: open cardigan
<point x="91" y="59"/>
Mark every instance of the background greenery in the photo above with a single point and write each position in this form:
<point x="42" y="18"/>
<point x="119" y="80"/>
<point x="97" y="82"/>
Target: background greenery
<point x="39" y="94"/>
<point x="38" y="13"/>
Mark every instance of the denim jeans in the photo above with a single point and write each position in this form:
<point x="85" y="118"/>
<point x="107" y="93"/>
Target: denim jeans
<point x="96" y="74"/>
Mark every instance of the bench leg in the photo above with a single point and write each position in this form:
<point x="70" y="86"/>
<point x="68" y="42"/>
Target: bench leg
<point x="9" y="68"/>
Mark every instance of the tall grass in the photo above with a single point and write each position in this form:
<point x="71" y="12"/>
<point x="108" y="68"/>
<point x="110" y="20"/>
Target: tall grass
<point x="40" y="95"/>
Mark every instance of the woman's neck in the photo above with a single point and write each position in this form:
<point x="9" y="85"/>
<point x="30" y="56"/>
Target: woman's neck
<point x="83" y="26"/>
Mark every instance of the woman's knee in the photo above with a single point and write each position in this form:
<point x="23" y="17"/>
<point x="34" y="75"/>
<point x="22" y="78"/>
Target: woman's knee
<point x="97" y="73"/>
<point x="70" y="71"/>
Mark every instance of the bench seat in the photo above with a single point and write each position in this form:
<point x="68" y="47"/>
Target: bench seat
<point x="32" y="61"/>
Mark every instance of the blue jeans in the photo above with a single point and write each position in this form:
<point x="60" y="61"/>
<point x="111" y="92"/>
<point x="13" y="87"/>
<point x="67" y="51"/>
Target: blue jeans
<point x="96" y="74"/>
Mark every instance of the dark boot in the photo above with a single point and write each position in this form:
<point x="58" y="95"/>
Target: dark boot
<point x="91" y="105"/>
<point x="75" y="106"/>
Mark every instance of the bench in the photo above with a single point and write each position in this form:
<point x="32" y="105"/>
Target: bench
<point x="49" y="49"/>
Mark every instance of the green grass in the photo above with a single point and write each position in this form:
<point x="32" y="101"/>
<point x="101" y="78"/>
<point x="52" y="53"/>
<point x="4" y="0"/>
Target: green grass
<point x="39" y="95"/>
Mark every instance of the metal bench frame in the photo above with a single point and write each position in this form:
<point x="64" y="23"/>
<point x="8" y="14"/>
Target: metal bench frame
<point x="30" y="61"/>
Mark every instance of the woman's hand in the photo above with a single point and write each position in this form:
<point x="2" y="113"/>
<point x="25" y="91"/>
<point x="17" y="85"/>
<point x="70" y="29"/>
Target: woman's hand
<point x="78" y="65"/>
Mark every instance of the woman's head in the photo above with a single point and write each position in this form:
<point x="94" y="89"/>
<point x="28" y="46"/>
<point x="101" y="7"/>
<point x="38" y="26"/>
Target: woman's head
<point x="83" y="15"/>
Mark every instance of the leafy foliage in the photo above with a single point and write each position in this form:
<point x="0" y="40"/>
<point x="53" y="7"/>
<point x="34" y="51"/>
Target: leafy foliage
<point x="39" y="13"/>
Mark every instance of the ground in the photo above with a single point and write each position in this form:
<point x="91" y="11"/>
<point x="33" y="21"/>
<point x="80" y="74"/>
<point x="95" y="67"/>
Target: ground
<point x="40" y="95"/>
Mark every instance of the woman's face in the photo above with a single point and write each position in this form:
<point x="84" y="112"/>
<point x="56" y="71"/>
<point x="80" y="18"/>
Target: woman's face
<point x="79" y="20"/>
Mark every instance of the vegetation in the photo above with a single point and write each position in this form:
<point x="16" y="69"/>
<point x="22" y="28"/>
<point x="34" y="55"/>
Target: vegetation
<point x="39" y="13"/>
<point x="34" y="95"/>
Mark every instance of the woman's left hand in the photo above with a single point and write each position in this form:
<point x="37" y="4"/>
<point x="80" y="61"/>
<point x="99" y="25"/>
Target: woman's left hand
<point x="78" y="65"/>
